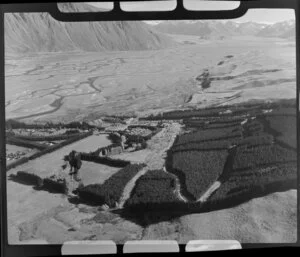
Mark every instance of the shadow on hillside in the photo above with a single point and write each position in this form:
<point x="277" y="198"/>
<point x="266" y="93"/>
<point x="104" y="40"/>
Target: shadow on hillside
<point x="17" y="179"/>
<point x="35" y="182"/>
<point x="228" y="166"/>
<point x="77" y="200"/>
<point x="48" y="189"/>
<point x="276" y="134"/>
<point x="147" y="214"/>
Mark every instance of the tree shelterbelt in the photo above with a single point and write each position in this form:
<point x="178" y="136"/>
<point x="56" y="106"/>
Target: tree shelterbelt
<point x="248" y="157"/>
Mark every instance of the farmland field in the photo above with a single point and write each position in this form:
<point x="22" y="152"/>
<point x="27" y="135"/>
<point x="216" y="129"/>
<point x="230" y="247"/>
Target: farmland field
<point x="285" y="126"/>
<point x="208" y="135"/>
<point x="111" y="190"/>
<point x="12" y="150"/>
<point x="96" y="173"/>
<point x="262" y="155"/>
<point x="241" y="186"/>
<point x="200" y="168"/>
<point x="155" y="187"/>
<point x="51" y="163"/>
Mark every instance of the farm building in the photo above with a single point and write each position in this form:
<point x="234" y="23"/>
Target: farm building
<point x="110" y="150"/>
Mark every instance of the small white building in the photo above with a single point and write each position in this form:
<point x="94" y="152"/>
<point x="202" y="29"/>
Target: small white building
<point x="226" y="112"/>
<point x="267" y="110"/>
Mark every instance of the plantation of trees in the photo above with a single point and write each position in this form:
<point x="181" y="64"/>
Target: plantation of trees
<point x="49" y="138"/>
<point x="155" y="187"/>
<point x="199" y="168"/>
<point x="25" y="143"/>
<point x="285" y="126"/>
<point x="286" y="111"/>
<point x="226" y="120"/>
<point x="244" y="185"/>
<point x="262" y="155"/>
<point x="203" y="125"/>
<point x="250" y="159"/>
<point x="233" y="125"/>
<point x="111" y="190"/>
<point x="15" y="124"/>
<point x="250" y="151"/>
<point x="222" y="120"/>
<point x="209" y="135"/>
<point x="252" y="128"/>
<point x="208" y="145"/>
<point x="262" y="139"/>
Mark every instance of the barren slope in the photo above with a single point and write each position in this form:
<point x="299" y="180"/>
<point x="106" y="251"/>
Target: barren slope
<point x="272" y="218"/>
<point x="39" y="32"/>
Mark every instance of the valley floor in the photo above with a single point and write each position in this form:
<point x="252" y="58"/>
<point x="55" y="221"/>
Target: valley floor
<point x="86" y="86"/>
<point x="75" y="86"/>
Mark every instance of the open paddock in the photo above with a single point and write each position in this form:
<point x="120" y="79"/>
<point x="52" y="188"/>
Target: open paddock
<point x="14" y="153"/>
<point x="50" y="164"/>
<point x="92" y="173"/>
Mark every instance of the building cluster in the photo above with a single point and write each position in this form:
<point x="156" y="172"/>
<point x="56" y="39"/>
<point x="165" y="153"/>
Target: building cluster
<point x="111" y="150"/>
<point x="14" y="156"/>
<point x="138" y="131"/>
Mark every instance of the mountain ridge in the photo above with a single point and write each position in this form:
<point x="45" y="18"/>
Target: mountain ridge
<point x="40" y="32"/>
<point x="215" y="29"/>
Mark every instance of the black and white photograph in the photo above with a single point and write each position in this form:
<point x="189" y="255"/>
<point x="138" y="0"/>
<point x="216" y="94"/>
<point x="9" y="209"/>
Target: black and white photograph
<point x="151" y="129"/>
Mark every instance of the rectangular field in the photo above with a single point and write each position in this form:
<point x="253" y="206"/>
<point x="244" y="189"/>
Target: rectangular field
<point x="155" y="187"/>
<point x="111" y="190"/>
<point x="244" y="185"/>
<point x="261" y="156"/>
<point x="209" y="135"/>
<point x="199" y="169"/>
<point x="286" y="127"/>
<point x="91" y="172"/>
<point x="13" y="152"/>
<point x="50" y="164"/>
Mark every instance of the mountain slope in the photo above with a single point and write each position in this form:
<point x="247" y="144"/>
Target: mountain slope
<point x="213" y="29"/>
<point x="39" y="32"/>
<point x="77" y="7"/>
<point x="285" y="29"/>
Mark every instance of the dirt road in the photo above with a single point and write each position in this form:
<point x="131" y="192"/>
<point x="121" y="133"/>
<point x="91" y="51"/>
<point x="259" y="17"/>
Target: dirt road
<point x="177" y="190"/>
<point x="209" y="192"/>
<point x="159" y="145"/>
<point x="129" y="187"/>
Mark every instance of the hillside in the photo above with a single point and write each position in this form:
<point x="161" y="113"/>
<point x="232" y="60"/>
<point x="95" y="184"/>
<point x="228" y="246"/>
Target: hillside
<point x="74" y="7"/>
<point x="215" y="29"/>
<point x="39" y="32"/>
<point x="285" y="29"/>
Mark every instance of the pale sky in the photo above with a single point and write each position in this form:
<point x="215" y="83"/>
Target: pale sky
<point x="255" y="15"/>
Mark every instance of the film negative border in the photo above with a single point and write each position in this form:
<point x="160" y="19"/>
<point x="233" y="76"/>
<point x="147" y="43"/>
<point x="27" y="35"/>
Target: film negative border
<point x="117" y="14"/>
